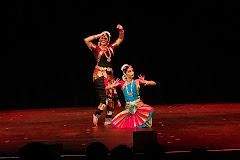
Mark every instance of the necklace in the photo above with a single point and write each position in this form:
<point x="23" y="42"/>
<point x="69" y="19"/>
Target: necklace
<point x="108" y="57"/>
<point x="131" y="93"/>
<point x="105" y="52"/>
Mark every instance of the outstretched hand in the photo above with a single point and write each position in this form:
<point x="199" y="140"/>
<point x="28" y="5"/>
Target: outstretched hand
<point x="142" y="78"/>
<point x="116" y="82"/>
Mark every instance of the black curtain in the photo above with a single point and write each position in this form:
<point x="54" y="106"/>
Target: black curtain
<point x="190" y="49"/>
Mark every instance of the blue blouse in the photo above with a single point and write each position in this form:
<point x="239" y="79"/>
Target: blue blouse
<point x="127" y="89"/>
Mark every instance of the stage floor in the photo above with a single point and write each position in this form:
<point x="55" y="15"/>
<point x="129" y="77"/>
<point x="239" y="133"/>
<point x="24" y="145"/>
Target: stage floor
<point x="179" y="128"/>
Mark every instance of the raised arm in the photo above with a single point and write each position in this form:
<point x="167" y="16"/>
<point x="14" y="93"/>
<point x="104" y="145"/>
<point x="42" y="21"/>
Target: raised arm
<point x="89" y="39"/>
<point x="121" y="34"/>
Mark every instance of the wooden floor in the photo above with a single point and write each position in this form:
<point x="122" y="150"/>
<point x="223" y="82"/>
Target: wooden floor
<point x="179" y="128"/>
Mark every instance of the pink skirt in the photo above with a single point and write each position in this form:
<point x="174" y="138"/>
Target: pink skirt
<point x="136" y="115"/>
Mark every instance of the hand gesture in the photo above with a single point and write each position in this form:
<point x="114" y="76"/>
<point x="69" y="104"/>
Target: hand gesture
<point x="142" y="78"/>
<point x="116" y="83"/>
<point x="98" y="35"/>
<point x="119" y="27"/>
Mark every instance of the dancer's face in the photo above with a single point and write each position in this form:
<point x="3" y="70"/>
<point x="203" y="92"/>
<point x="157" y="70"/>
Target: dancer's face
<point x="103" y="40"/>
<point x="130" y="73"/>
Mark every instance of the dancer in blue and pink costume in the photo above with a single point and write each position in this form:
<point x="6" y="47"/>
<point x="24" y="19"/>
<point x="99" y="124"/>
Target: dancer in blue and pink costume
<point x="136" y="113"/>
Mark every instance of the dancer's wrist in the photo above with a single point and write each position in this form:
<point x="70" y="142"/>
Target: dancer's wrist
<point x="145" y="83"/>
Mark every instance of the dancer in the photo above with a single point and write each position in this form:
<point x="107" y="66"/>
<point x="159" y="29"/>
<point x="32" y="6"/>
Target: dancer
<point x="103" y="72"/>
<point x="136" y="113"/>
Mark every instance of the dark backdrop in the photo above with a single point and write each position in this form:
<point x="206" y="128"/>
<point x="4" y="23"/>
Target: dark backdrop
<point x="191" y="50"/>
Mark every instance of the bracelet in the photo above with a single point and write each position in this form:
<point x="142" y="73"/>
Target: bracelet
<point x="146" y="83"/>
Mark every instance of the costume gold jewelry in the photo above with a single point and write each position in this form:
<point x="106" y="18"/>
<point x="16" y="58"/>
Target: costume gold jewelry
<point x="131" y="93"/>
<point x="105" y="52"/>
<point x="108" y="57"/>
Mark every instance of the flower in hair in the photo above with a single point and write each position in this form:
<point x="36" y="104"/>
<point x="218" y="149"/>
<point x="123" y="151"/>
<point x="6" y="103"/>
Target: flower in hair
<point x="125" y="65"/>
<point x="107" y="34"/>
